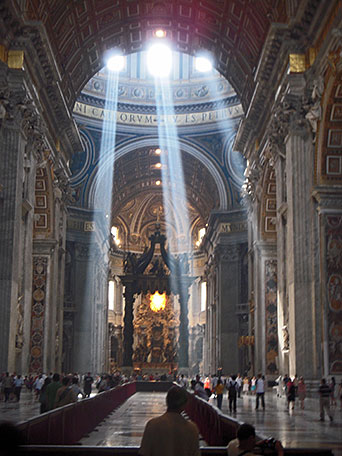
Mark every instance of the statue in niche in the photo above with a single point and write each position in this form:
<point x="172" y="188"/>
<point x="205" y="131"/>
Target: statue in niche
<point x="314" y="113"/>
<point x="130" y="262"/>
<point x="286" y="338"/>
<point x="19" y="337"/>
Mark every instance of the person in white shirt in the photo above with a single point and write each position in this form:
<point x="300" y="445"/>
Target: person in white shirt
<point x="260" y="392"/>
<point x="18" y="384"/>
<point x="239" y="383"/>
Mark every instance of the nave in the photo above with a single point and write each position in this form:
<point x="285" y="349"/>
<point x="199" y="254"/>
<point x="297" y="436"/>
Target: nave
<point x="124" y="427"/>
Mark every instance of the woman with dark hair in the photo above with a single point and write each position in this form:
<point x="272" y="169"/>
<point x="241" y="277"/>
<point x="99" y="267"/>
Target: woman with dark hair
<point x="43" y="398"/>
<point x="219" y="389"/>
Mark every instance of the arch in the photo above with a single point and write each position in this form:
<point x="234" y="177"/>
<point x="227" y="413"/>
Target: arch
<point x="196" y="152"/>
<point x="234" y="32"/>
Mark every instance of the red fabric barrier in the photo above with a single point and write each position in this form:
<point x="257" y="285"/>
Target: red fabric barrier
<point x="67" y="425"/>
<point x="215" y="428"/>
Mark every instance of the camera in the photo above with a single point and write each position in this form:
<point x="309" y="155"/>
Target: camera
<point x="270" y="443"/>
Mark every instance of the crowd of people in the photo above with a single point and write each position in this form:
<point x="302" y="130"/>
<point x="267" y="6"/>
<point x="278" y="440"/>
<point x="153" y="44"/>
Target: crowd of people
<point x="293" y="388"/>
<point x="55" y="390"/>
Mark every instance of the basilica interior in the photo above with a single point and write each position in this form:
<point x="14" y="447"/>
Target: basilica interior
<point x="182" y="223"/>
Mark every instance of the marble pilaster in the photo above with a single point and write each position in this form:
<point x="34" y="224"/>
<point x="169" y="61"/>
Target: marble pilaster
<point x="264" y="313"/>
<point x="89" y="323"/>
<point x="12" y="150"/>
<point x="226" y="236"/>
<point x="299" y="247"/>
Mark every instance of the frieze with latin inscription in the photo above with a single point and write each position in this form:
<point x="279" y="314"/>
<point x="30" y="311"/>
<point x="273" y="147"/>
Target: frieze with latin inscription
<point x="126" y="118"/>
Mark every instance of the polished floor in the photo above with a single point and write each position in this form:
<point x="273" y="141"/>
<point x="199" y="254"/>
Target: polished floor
<point x="124" y="427"/>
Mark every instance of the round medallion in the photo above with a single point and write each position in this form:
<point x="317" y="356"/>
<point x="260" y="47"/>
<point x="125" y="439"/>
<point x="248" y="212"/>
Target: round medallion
<point x="38" y="295"/>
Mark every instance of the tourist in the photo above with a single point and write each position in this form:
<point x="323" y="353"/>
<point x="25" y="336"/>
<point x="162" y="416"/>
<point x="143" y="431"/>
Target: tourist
<point x="232" y="387"/>
<point x="38" y="384"/>
<point x="200" y="391"/>
<point x="260" y="391"/>
<point x="219" y="389"/>
<point x="245" y="443"/>
<point x="239" y="383"/>
<point x="87" y="384"/>
<point x="171" y="434"/>
<point x="301" y="392"/>
<point x="295" y="383"/>
<point x="332" y="387"/>
<point x="51" y="391"/>
<point x="214" y="381"/>
<point x="64" y="394"/>
<point x="290" y="394"/>
<point x="183" y="382"/>
<point x="18" y="384"/>
<point x="207" y="385"/>
<point x="245" y="388"/>
<point x="324" y="400"/>
<point x="43" y="398"/>
<point x="7" y="385"/>
<point x="339" y="393"/>
<point x="253" y="384"/>
<point x="76" y="390"/>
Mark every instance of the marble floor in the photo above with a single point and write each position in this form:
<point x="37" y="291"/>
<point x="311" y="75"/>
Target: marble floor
<point x="301" y="428"/>
<point x="124" y="427"/>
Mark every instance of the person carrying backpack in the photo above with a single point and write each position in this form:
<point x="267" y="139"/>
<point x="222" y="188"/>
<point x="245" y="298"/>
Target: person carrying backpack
<point x="232" y="387"/>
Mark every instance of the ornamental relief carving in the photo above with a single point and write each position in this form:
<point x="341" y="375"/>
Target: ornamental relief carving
<point x="228" y="253"/>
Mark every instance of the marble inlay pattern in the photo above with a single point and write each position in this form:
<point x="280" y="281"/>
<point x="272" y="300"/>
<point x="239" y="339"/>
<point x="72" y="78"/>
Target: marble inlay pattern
<point x="334" y="291"/>
<point x="271" y="316"/>
<point x="40" y="265"/>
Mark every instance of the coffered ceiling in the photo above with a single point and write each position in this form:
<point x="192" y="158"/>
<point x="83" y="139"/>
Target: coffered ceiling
<point x="80" y="32"/>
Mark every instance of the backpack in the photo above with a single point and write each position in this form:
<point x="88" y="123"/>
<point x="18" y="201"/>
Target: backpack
<point x="232" y="388"/>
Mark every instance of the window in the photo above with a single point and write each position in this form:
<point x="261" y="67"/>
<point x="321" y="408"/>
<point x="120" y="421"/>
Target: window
<point x="111" y="295"/>
<point x="201" y="234"/>
<point x="203" y="296"/>
<point x="115" y="233"/>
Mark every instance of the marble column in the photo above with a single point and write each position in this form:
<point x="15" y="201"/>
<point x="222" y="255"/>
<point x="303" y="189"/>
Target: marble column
<point x="210" y="359"/>
<point x="183" y="353"/>
<point x="13" y="141"/>
<point x="282" y="297"/>
<point x="90" y="289"/>
<point x="228" y="298"/>
<point x="227" y="233"/>
<point x="299" y="248"/>
<point x="128" y="330"/>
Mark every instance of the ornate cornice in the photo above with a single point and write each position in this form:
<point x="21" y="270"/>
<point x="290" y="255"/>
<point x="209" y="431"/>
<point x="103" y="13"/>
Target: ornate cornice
<point x="151" y="109"/>
<point x="272" y="70"/>
<point x="329" y="199"/>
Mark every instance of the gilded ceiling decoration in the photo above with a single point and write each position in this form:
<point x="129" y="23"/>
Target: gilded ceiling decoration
<point x="233" y="30"/>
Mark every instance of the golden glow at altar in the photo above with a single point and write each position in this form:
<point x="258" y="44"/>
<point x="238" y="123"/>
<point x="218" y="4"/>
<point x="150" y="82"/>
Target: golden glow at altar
<point x="157" y="302"/>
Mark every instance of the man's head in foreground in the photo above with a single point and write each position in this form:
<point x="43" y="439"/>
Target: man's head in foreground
<point x="176" y="399"/>
<point x="246" y="436"/>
